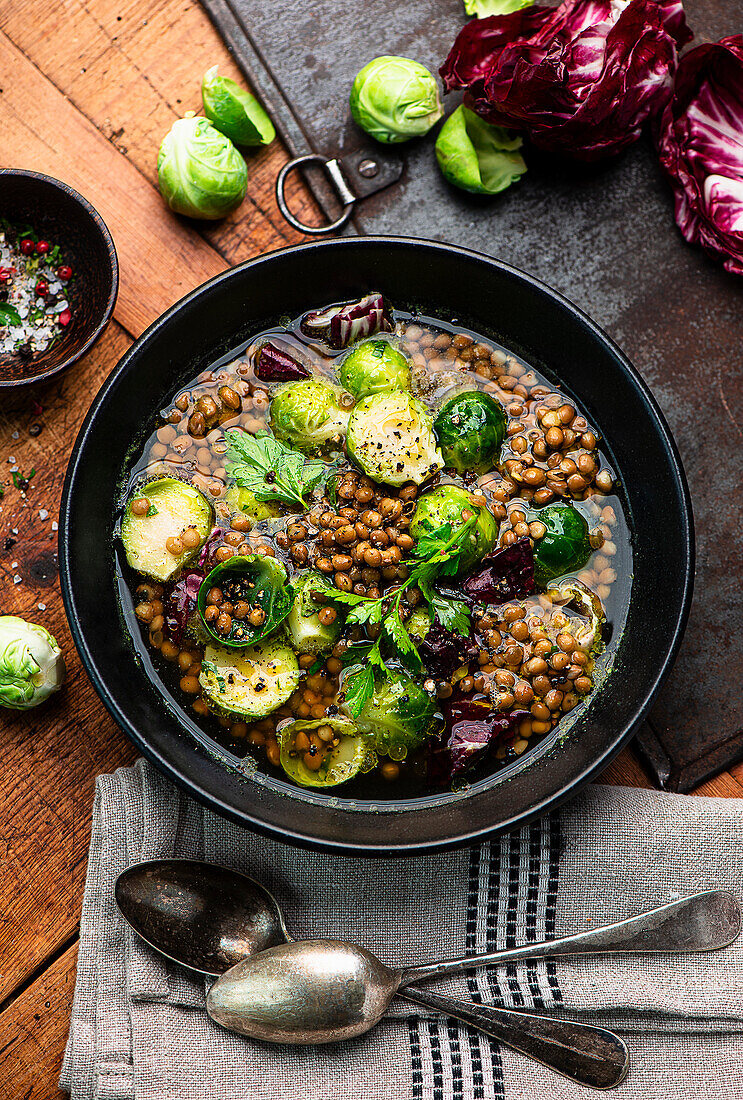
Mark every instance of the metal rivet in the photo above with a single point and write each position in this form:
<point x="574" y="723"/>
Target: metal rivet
<point x="368" y="168"/>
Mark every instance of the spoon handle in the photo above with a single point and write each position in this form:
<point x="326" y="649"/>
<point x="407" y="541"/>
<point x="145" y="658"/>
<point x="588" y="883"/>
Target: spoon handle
<point x="588" y="1055"/>
<point x="702" y="922"/>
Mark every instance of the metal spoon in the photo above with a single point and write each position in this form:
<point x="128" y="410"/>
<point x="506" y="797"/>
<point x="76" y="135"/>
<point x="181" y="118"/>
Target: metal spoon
<point x="322" y="991"/>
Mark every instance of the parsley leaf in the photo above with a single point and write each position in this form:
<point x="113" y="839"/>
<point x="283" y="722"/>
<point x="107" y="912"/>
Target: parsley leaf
<point x="272" y="471"/>
<point x="9" y="315"/>
<point x="151" y="511"/>
<point x="394" y="631"/>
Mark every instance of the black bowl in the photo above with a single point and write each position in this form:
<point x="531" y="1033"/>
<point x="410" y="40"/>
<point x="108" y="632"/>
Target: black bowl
<point x="60" y="214"/>
<point x="525" y="316"/>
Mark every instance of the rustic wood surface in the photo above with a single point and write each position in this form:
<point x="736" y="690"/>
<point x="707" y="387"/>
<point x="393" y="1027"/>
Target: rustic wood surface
<point x="88" y="91"/>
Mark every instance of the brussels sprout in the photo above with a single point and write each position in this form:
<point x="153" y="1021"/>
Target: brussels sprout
<point x="373" y="367"/>
<point x="243" y="500"/>
<point x="450" y="504"/>
<point x="308" y="415"/>
<point x="251" y="682"/>
<point x="470" y="429"/>
<point x="311" y="760"/>
<point x="303" y="627"/>
<point x="399" y="716"/>
<point x="565" y="547"/>
<point x="419" y="624"/>
<point x="235" y="112"/>
<point x="589" y="634"/>
<point x="478" y="157"/>
<point x="390" y="436"/>
<point x="175" y="507"/>
<point x="200" y="172"/>
<point x="261" y="583"/>
<point x="395" y="99"/>
<point x="31" y="664"/>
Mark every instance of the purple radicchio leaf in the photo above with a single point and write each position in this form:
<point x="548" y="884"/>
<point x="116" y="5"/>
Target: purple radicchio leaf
<point x="344" y="324"/>
<point x="700" y="141"/>
<point x="580" y="79"/>
<point x="442" y="651"/>
<point x="506" y="574"/>
<point x="473" y="730"/>
<point x="181" y="603"/>
<point x="211" y="544"/>
<point x="273" y="364"/>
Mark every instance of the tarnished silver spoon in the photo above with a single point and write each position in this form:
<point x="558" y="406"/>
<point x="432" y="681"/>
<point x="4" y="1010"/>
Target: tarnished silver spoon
<point x="318" y="991"/>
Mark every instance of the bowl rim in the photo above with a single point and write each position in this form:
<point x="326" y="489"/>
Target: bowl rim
<point x="287" y="832"/>
<point x="105" y="232"/>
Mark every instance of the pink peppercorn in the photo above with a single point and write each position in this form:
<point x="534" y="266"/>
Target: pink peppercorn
<point x="64" y="272"/>
<point x="64" y="317"/>
<point x="42" y="289"/>
<point x="27" y="246"/>
<point x="42" y="247"/>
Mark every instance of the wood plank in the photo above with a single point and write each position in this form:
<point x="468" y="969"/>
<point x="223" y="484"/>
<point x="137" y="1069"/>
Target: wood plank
<point x="132" y="70"/>
<point x="52" y="755"/>
<point x="161" y="257"/>
<point x="33" y="1034"/>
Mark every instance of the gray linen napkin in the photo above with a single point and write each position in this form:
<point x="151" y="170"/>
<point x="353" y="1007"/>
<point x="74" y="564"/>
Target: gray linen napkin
<point x="139" y="1030"/>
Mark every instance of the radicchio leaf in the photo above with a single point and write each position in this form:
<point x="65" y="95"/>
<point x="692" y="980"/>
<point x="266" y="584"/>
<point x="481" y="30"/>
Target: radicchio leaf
<point x="182" y="603"/>
<point x="442" y="651"/>
<point x="700" y="141"/>
<point x="506" y="574"/>
<point x="473" y="729"/>
<point x="273" y="364"/>
<point x="215" y="537"/>
<point x="344" y="324"/>
<point x="580" y="79"/>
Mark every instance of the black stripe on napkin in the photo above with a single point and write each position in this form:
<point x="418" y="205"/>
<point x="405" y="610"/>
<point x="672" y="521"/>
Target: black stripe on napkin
<point x="455" y="1054"/>
<point x="438" y="1069"/>
<point x="555" y="844"/>
<point x="416" y="1074"/>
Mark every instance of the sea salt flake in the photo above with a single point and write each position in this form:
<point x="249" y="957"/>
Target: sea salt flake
<point x="17" y="579"/>
<point x="14" y="565"/>
<point x="15" y="435"/>
<point x="55" y="526"/>
<point x="43" y="514"/>
<point x="41" y="606"/>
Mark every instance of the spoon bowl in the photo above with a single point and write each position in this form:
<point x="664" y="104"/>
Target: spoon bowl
<point x="201" y="915"/>
<point x="304" y="992"/>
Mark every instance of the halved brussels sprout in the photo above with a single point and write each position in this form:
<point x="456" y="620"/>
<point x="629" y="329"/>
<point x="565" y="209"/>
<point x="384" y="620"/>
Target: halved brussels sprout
<point x="200" y="172"/>
<point x="395" y="99"/>
<point x="175" y="508"/>
<point x="324" y="752"/>
<point x="390" y="436"/>
<point x="373" y="367"/>
<point x="250" y="682"/>
<point x="31" y="663"/>
<point x="476" y="156"/>
<point x="235" y="112"/>
<point x="470" y="429"/>
<point x="450" y="504"/>
<point x="565" y="547"/>
<point x="308" y="415"/>
<point x="242" y="500"/>
<point x="399" y="716"/>
<point x="589" y="634"/>
<point x="303" y="627"/>
<point x="261" y="584"/>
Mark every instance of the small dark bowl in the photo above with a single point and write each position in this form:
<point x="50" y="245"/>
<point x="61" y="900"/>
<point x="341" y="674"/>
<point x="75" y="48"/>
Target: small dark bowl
<point x="60" y="214"/>
<point x="523" y="315"/>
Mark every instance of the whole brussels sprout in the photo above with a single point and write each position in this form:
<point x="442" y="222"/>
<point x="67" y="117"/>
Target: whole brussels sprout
<point x="478" y="157"/>
<point x="399" y="716"/>
<point x="31" y="664"/>
<point x="307" y="415"/>
<point x="390" y="436"/>
<point x="235" y="112"/>
<point x="470" y="429"/>
<point x="373" y="367"/>
<point x="565" y="547"/>
<point x="450" y="504"/>
<point x="200" y="172"/>
<point x="395" y="99"/>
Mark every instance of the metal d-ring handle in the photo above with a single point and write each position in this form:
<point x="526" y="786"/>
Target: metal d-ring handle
<point x="333" y="171"/>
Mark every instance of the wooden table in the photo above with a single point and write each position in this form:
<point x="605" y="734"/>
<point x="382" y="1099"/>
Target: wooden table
<point x="88" y="91"/>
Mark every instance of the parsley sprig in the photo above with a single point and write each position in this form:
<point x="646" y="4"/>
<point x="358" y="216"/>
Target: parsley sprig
<point x="437" y="554"/>
<point x="273" y="471"/>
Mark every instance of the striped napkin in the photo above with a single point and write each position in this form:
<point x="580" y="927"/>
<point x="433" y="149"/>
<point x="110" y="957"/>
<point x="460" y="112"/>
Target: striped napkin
<point x="139" y="1030"/>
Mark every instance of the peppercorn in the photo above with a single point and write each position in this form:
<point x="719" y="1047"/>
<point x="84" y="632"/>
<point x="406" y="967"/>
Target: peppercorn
<point x="64" y="272"/>
<point x="42" y="247"/>
<point x="27" y="246"/>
